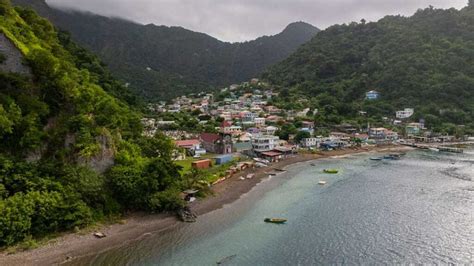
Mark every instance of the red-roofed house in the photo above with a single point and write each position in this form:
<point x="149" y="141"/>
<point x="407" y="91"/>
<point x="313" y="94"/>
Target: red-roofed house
<point x="192" y="146"/>
<point x="271" y="156"/>
<point x="188" y="144"/>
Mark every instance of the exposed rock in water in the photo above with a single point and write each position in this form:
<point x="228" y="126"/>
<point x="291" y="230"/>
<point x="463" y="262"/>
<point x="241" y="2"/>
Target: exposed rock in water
<point x="186" y="215"/>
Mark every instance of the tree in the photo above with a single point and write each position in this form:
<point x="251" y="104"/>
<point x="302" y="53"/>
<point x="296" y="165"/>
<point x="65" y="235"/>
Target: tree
<point x="302" y="135"/>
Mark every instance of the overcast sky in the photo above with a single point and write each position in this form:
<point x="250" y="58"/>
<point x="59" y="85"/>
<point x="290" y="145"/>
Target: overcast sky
<point x="240" y="20"/>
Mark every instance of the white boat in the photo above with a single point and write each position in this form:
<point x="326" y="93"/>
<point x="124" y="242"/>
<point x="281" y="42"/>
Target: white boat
<point x="322" y="183"/>
<point x="434" y="149"/>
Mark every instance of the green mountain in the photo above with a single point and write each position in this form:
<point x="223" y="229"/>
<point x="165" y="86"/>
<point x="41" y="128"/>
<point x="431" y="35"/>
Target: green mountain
<point x="161" y="62"/>
<point x="71" y="148"/>
<point x="425" y="61"/>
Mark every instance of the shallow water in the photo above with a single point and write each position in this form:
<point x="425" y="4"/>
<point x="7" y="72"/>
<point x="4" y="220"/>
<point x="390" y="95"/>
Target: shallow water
<point x="415" y="210"/>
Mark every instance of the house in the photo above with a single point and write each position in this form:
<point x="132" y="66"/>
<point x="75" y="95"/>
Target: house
<point x="413" y="129"/>
<point x="407" y="113"/>
<point x="339" y="136"/>
<point x="361" y="137"/>
<point x="391" y="135"/>
<point x="311" y="142"/>
<point x="274" y="118"/>
<point x="303" y="113"/>
<point x="188" y="144"/>
<point x="286" y="151"/>
<point x="308" y="124"/>
<point x="372" y="95"/>
<point x="253" y="131"/>
<point x="242" y="147"/>
<point x="272" y="109"/>
<point x="259" y="122"/>
<point x="271" y="156"/>
<point x="228" y="128"/>
<point x="377" y="133"/>
<point x="216" y="143"/>
<point x="192" y="146"/>
<point x="248" y="116"/>
<point x="264" y="143"/>
<point x="270" y="130"/>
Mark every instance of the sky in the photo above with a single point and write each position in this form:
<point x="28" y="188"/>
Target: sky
<point x="242" y="20"/>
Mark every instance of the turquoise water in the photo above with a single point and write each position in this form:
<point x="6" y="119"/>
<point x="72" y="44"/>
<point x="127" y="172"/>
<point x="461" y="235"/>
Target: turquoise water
<point x="415" y="210"/>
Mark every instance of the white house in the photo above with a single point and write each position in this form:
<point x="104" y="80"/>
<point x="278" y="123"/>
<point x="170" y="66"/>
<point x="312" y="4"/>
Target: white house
<point x="377" y="132"/>
<point x="259" y="121"/>
<point x="311" y="142"/>
<point x="270" y="130"/>
<point x="372" y="95"/>
<point x="264" y="143"/>
<point x="407" y="113"/>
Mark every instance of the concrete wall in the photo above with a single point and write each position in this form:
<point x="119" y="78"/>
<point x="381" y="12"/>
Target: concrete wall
<point x="14" y="58"/>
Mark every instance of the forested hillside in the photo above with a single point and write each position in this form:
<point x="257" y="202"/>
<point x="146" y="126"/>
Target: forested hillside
<point x="71" y="150"/>
<point x="425" y="61"/>
<point x="160" y="62"/>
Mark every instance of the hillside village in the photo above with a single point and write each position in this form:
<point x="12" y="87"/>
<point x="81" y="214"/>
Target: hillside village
<point x="242" y="121"/>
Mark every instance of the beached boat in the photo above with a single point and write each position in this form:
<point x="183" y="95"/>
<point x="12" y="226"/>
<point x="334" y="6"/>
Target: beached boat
<point x="331" y="171"/>
<point x="322" y="183"/>
<point x="275" y="220"/>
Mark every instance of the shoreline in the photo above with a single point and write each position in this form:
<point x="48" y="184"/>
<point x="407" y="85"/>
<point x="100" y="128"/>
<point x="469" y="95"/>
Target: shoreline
<point x="72" y="246"/>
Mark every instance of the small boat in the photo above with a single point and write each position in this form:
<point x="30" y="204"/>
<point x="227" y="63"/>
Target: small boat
<point x="313" y="164"/>
<point x="322" y="183"/>
<point x="376" y="158"/>
<point x="226" y="259"/>
<point x="99" y="235"/>
<point x="392" y="157"/>
<point x="434" y="149"/>
<point x="275" y="220"/>
<point x="331" y="171"/>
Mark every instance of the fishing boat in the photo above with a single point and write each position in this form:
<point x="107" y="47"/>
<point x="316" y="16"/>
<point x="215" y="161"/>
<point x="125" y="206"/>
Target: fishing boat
<point x="392" y="157"/>
<point x="331" y="171"/>
<point x="376" y="158"/>
<point x="322" y="183"/>
<point x="275" y="220"/>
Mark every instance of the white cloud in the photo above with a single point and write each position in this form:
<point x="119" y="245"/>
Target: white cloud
<point x="240" y="20"/>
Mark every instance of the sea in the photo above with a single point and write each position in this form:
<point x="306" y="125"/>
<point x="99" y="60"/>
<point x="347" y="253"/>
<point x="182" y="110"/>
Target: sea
<point x="416" y="210"/>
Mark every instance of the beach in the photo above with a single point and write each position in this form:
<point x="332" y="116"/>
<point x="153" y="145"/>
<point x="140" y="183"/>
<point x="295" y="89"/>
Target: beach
<point x="138" y="225"/>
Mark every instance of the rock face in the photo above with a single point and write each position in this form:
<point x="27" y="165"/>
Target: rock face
<point x="102" y="161"/>
<point x="14" y="58"/>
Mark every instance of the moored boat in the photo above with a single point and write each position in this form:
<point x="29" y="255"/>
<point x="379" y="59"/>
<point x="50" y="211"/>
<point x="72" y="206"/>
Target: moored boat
<point x="392" y="157"/>
<point x="331" y="171"/>
<point x="376" y="158"/>
<point x="322" y="183"/>
<point x="275" y="220"/>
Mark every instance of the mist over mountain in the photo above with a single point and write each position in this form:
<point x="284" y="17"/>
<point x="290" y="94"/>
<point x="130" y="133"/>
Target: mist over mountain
<point x="160" y="62"/>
